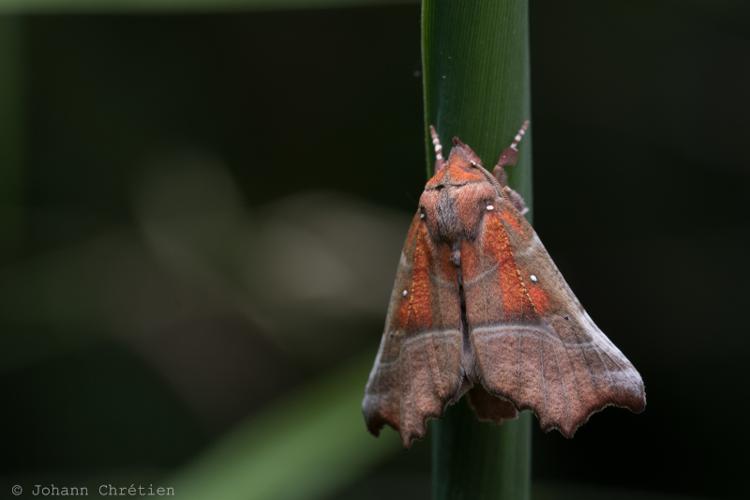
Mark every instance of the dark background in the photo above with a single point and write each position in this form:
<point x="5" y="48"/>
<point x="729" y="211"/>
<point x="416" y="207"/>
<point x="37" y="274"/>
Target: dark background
<point x="203" y="213"/>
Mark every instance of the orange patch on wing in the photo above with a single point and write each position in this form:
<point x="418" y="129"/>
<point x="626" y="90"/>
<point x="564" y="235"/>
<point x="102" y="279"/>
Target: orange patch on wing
<point x="515" y="297"/>
<point x="411" y="235"/>
<point x="539" y="298"/>
<point x="470" y="265"/>
<point x="415" y="311"/>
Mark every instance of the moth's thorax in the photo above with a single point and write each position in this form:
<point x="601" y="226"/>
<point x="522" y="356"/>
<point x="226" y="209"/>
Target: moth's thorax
<point x="454" y="211"/>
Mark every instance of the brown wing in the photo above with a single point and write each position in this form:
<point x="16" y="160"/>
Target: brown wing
<point x="417" y="371"/>
<point x="532" y="341"/>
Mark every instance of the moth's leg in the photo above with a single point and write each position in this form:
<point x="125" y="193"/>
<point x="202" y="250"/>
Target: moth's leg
<point x="439" y="160"/>
<point x="508" y="158"/>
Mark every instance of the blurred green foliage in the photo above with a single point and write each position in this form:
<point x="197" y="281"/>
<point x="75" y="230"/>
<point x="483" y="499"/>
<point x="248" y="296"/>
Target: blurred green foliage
<point x="303" y="447"/>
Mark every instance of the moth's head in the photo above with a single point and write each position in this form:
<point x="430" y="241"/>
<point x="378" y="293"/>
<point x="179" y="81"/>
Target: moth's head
<point x="463" y="167"/>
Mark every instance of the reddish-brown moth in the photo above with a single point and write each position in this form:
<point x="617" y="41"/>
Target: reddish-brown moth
<point x="479" y="308"/>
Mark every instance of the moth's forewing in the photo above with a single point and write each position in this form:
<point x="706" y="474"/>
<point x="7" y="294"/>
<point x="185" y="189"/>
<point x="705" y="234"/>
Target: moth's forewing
<point x="535" y="344"/>
<point x="417" y="371"/>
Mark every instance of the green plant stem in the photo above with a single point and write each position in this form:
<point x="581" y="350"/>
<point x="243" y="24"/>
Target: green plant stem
<point x="477" y="86"/>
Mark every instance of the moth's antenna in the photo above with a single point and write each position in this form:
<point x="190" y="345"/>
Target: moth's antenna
<point x="439" y="160"/>
<point x="519" y="135"/>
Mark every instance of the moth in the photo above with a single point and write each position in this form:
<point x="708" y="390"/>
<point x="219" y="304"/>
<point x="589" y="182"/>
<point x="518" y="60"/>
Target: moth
<point x="478" y="308"/>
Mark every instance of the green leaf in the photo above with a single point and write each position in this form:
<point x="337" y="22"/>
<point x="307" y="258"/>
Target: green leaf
<point x="476" y="86"/>
<point x="305" y="446"/>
